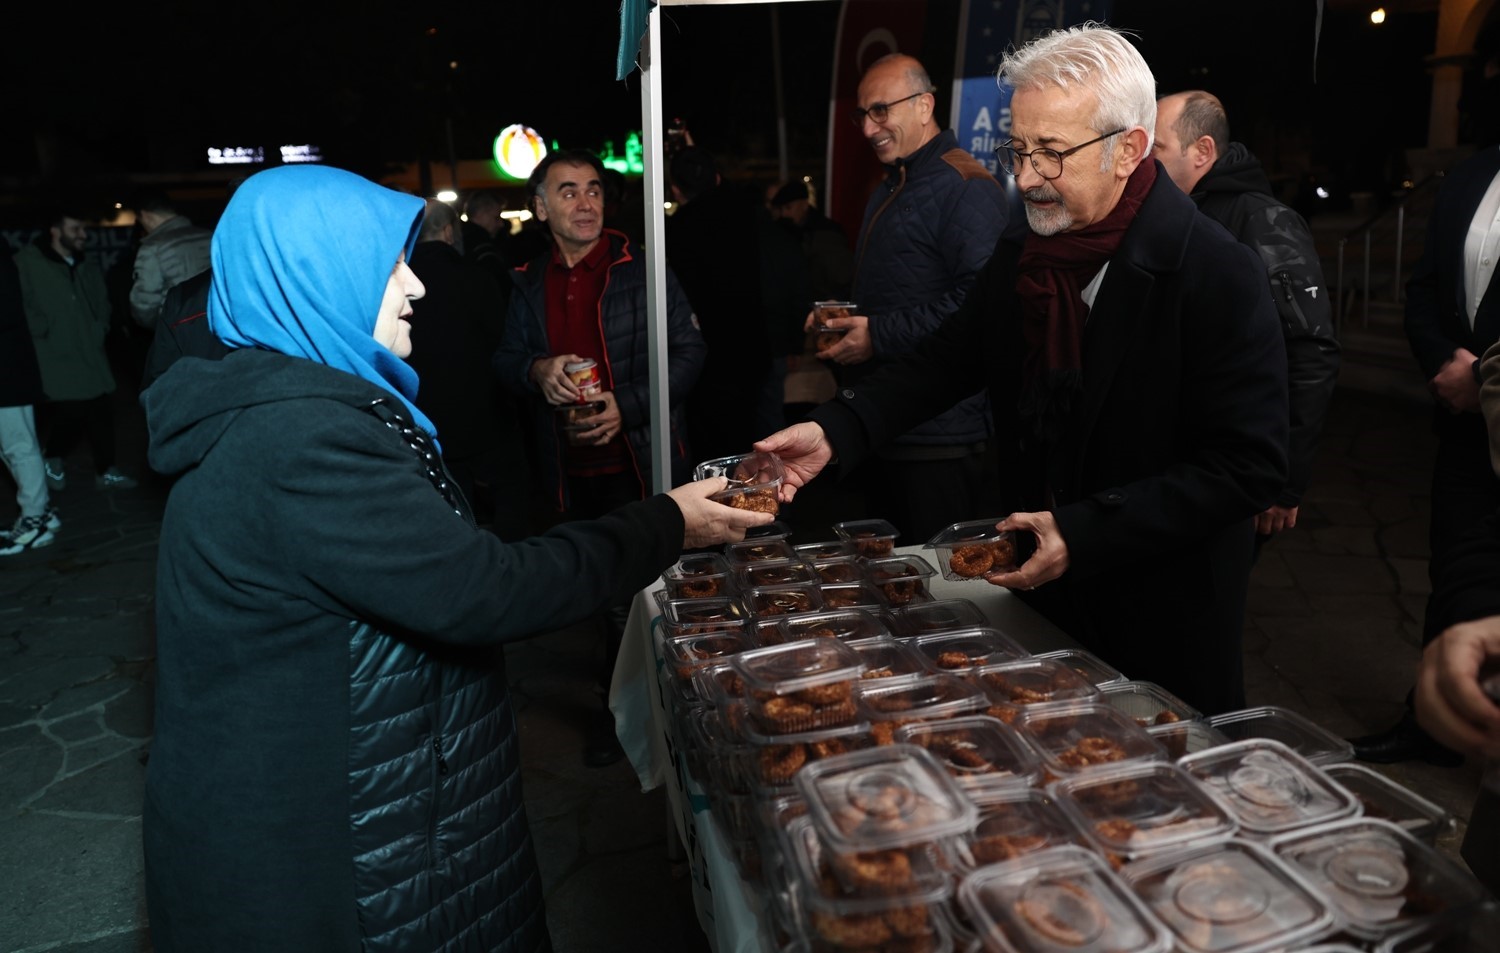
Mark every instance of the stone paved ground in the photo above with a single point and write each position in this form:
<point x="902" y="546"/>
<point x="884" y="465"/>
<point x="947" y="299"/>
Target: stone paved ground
<point x="1332" y="633"/>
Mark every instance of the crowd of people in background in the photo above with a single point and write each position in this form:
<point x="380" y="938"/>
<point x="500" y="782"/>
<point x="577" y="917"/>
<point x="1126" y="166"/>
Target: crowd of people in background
<point x="1131" y="353"/>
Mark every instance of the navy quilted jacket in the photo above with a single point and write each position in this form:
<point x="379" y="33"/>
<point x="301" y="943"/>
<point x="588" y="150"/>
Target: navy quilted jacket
<point x="335" y="764"/>
<point x="928" y="231"/>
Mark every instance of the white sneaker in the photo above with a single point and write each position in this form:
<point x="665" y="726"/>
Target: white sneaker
<point x="30" y="532"/>
<point x="113" y="479"/>
<point x="54" y="522"/>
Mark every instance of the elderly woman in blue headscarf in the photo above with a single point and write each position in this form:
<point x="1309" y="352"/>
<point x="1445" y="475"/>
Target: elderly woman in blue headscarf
<point x="335" y="764"/>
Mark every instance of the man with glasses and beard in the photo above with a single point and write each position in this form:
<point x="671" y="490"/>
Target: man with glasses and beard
<point x="928" y="229"/>
<point x="1137" y="371"/>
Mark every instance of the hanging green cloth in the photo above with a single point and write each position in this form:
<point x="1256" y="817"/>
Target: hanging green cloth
<point x="632" y="28"/>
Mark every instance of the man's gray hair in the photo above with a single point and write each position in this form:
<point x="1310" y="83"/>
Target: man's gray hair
<point x="1099" y="58"/>
<point x="438" y="214"/>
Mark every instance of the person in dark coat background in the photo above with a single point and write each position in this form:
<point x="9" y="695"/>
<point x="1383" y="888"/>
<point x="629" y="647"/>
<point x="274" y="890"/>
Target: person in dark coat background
<point x="713" y="246"/>
<point x="20" y="391"/>
<point x="456" y="326"/>
<point x="1138" y="380"/>
<point x="335" y="763"/>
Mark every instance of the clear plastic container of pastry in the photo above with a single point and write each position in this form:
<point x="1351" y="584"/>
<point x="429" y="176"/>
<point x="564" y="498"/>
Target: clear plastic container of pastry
<point x="839" y="569"/>
<point x="718" y="684"/>
<point x="870" y="538"/>
<point x="964" y="649"/>
<point x="853" y="595"/>
<point x="824" y="549"/>
<point x="884" y="797"/>
<point x="1298" y="732"/>
<point x="776" y="529"/>
<point x="888" y="660"/>
<point x="1080" y="737"/>
<point x="888" y="705"/>
<point x="757" y="550"/>
<point x="1382" y="799"/>
<point x="973" y="549"/>
<point x="571" y="417"/>
<point x="685" y="654"/>
<point x="801" y="686"/>
<point x="754" y="480"/>
<point x="1380" y="879"/>
<point x="773" y="760"/>
<point x="1148" y="703"/>
<point x="789" y="599"/>
<point x="902" y="579"/>
<point x="768" y="629"/>
<point x="698" y="576"/>
<point x="682" y="617"/>
<point x="1138" y="809"/>
<point x="979" y="751"/>
<point x="1020" y="683"/>
<point x="942" y="615"/>
<point x="1087" y="664"/>
<point x="1270" y="788"/>
<point x="1229" y="897"/>
<point x="1012" y="822"/>
<point x="1183" y="738"/>
<point x="846" y="625"/>
<point x="775" y="572"/>
<point x="1056" y="900"/>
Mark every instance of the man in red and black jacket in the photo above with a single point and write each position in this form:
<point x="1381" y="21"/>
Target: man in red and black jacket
<point x="585" y="298"/>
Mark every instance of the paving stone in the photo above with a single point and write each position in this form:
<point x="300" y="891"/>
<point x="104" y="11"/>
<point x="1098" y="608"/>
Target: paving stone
<point x="71" y="700"/>
<point x="29" y="761"/>
<point x="111" y="786"/>
<point x="1331" y="573"/>
<point x="84" y="879"/>
<point x="1346" y="540"/>
<point x="1353" y="605"/>
<point x="1406" y="538"/>
<point x="40" y="683"/>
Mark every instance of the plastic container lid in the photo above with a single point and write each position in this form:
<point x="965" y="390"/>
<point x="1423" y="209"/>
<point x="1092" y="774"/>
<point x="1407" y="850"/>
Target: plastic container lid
<point x="1228" y="897"/>
<point x="1080" y="737"/>
<point x="801" y="686"/>
<point x="930" y="696"/>
<point x="973" y="549"/>
<point x="1142" y="808"/>
<point x="901" y="579"/>
<point x="1470" y="930"/>
<point x="1380" y="879"/>
<point x="685" y="654"/>
<point x="1304" y="736"/>
<point x="868" y="537"/>
<point x="763" y="601"/>
<point x="1062" y="899"/>
<point x="757" y="550"/>
<point x="1032" y="681"/>
<point x="691" y="616"/>
<point x="1269" y="787"/>
<point x="852" y="595"/>
<point x="1012" y="823"/>
<point x="883" y="797"/>
<point x="772" y="761"/>
<point x="837" y="569"/>
<point x="825" y="549"/>
<point x="1087" y="664"/>
<point x="569" y="415"/>
<point x="1382" y="799"/>
<point x="1148" y="703"/>
<point x="776" y="529"/>
<point x="887" y="660"/>
<point x="775" y="572"/>
<point x="864" y="882"/>
<point x="978" y="750"/>
<point x="719" y="683"/>
<point x="944" y="615"/>
<point x="964" y="649"/>
<point x="699" y="576"/>
<point x="1187" y="737"/>
<point x="846" y="625"/>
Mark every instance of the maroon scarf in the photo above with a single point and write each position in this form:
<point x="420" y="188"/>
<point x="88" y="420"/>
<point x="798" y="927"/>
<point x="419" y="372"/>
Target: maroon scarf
<point x="1052" y="273"/>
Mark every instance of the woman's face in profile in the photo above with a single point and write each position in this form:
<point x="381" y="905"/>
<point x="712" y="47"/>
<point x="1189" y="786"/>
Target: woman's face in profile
<point x="391" y="327"/>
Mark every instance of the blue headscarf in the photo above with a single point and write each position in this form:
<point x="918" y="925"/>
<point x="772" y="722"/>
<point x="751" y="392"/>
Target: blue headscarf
<point x="301" y="259"/>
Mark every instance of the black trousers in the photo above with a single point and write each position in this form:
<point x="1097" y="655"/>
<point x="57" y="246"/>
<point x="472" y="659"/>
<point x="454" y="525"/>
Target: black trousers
<point x="590" y="498"/>
<point x="921" y="497"/>
<point x="68" y="421"/>
<point x="1465" y="491"/>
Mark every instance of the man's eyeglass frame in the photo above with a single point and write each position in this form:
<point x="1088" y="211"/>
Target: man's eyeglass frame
<point x="1010" y="166"/>
<point x="879" y="112"/>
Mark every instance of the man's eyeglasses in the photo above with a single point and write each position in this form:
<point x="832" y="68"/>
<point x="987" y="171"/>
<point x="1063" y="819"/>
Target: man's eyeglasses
<point x="878" y="111"/>
<point x="1048" y="163"/>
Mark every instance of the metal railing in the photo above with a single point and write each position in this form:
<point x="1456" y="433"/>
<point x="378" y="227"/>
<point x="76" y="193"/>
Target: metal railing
<point x="1365" y="234"/>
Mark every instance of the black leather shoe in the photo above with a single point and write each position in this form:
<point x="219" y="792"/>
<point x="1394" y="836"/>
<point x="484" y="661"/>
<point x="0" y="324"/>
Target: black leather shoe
<point x="601" y="748"/>
<point x="1404" y="741"/>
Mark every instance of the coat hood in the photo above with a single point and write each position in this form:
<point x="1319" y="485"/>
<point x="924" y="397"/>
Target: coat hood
<point x="189" y="407"/>
<point x="1236" y="171"/>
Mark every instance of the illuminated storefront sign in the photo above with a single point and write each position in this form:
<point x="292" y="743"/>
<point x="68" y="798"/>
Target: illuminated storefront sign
<point x="518" y="149"/>
<point x="295" y="154"/>
<point x="630" y="163"/>
<point x="236" y="155"/>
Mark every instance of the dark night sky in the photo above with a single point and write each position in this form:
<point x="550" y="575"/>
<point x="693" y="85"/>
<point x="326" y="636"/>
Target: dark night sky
<point x="136" y="89"/>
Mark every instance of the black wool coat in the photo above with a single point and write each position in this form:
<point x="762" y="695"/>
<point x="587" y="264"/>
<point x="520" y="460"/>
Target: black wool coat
<point x="1178" y="440"/>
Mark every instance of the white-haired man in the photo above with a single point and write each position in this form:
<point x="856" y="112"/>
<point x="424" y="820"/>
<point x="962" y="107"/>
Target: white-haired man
<point x="1137" y="372"/>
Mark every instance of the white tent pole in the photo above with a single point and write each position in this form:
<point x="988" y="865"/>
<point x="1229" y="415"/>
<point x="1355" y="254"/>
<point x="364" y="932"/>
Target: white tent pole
<point x="656" y="260"/>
